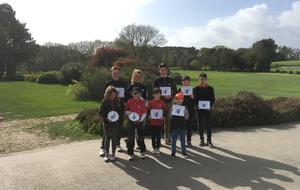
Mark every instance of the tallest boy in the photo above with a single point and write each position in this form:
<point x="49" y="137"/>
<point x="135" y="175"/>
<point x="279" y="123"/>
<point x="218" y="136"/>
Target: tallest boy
<point x="167" y="83"/>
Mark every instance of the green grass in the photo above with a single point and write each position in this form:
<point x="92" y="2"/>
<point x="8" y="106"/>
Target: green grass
<point x="23" y="100"/>
<point x="267" y="85"/>
<point x="285" y="63"/>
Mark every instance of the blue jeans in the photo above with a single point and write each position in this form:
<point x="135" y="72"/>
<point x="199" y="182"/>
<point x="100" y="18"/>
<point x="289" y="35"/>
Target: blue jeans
<point x="181" y="133"/>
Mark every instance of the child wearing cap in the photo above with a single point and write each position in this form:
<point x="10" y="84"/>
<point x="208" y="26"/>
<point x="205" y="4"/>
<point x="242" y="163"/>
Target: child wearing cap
<point x="156" y="122"/>
<point x="138" y="106"/>
<point x="111" y="102"/>
<point x="178" y="115"/>
<point x="189" y="103"/>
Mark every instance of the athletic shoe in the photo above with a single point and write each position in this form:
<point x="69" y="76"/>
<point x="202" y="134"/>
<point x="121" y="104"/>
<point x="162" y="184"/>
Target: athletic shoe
<point x="202" y="143"/>
<point x="168" y="141"/>
<point x="143" y="155"/>
<point x="189" y="144"/>
<point x="106" y="159"/>
<point x="112" y="157"/>
<point x="102" y="153"/>
<point x="130" y="157"/>
<point x="138" y="148"/>
<point x="153" y="150"/>
<point x="185" y="154"/>
<point x="119" y="149"/>
<point x="158" y="151"/>
<point x="210" y="144"/>
<point x="173" y="155"/>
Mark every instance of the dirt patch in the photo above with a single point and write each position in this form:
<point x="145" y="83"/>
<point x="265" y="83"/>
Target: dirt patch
<point x="15" y="135"/>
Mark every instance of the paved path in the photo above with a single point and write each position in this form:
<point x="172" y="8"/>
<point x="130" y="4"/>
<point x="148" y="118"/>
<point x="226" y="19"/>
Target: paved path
<point x="244" y="158"/>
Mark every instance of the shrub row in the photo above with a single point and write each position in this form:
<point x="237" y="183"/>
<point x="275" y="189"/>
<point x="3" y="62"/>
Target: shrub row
<point x="285" y="72"/>
<point x="244" y="109"/>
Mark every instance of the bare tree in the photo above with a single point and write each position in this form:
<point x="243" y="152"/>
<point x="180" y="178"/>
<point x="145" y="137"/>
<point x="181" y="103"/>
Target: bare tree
<point x="140" y="40"/>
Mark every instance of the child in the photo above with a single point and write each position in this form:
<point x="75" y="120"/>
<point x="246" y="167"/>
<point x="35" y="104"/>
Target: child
<point x="138" y="106"/>
<point x="178" y="124"/>
<point x="204" y="92"/>
<point x="189" y="103"/>
<point x="111" y="102"/>
<point x="156" y="124"/>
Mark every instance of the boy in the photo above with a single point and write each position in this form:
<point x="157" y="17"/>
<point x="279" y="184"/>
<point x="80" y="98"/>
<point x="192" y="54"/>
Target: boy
<point x="189" y="103"/>
<point x="156" y="124"/>
<point x="138" y="106"/>
<point x="204" y="92"/>
<point x="165" y="81"/>
<point x="178" y="123"/>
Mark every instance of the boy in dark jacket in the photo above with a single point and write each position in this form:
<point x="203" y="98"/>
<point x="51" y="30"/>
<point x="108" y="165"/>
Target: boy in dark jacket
<point x="178" y="115"/>
<point x="204" y="93"/>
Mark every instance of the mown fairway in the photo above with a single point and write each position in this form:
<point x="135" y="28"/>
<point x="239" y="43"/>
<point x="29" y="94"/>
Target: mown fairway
<point x="267" y="85"/>
<point x="21" y="100"/>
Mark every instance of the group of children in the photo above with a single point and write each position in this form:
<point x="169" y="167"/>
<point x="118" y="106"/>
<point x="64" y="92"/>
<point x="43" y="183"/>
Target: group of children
<point x="178" y="107"/>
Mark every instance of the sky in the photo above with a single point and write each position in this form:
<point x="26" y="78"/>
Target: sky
<point x="187" y="23"/>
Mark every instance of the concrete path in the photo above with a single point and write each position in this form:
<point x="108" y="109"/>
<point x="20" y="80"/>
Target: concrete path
<point x="244" y="158"/>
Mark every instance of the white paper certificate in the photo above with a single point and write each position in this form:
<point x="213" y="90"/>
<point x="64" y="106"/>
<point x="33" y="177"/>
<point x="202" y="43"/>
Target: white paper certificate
<point x="187" y="90"/>
<point x="178" y="110"/>
<point x="120" y="92"/>
<point x="156" y="113"/>
<point x="204" y="105"/>
<point x="165" y="91"/>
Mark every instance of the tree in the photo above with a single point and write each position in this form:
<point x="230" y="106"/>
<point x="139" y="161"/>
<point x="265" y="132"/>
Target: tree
<point x="140" y="40"/>
<point x="16" y="43"/>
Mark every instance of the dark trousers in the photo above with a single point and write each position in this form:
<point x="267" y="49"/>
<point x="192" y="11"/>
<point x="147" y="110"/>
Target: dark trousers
<point x="110" y="133"/>
<point x="120" y="128"/>
<point x="189" y="123"/>
<point x="206" y="115"/>
<point x="130" y="141"/>
<point x="156" y="135"/>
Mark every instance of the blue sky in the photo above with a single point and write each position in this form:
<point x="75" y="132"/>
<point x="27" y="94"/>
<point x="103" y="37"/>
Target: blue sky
<point x="197" y="23"/>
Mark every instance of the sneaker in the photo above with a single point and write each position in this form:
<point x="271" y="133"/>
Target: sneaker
<point x="189" y="144"/>
<point x="119" y="149"/>
<point x="168" y="141"/>
<point x="112" y="157"/>
<point x="202" y="143"/>
<point x="138" y="148"/>
<point x="153" y="150"/>
<point x="185" y="154"/>
<point x="106" y="159"/>
<point x="158" y="151"/>
<point x="130" y="157"/>
<point x="143" y="155"/>
<point x="210" y="144"/>
<point x="102" y="153"/>
<point x="173" y="155"/>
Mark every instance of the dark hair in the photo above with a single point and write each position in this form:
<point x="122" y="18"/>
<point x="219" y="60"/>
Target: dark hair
<point x="156" y="90"/>
<point x="162" y="65"/>
<point x="185" y="77"/>
<point x="204" y="75"/>
<point x="109" y="90"/>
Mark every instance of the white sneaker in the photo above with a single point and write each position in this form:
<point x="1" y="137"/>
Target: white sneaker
<point x="130" y="157"/>
<point x="106" y="159"/>
<point x="112" y="157"/>
<point x="143" y="155"/>
<point x="158" y="151"/>
<point x="102" y="152"/>
<point x="119" y="149"/>
<point x="153" y="150"/>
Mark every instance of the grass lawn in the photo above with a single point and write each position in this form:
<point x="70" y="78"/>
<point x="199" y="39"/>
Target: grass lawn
<point x="22" y="100"/>
<point x="285" y="63"/>
<point x="267" y="85"/>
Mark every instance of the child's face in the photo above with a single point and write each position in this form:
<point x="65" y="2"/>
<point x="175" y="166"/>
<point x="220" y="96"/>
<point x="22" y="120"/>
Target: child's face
<point x="136" y="96"/>
<point x="156" y="96"/>
<point x="178" y="101"/>
<point x="138" y="78"/>
<point x="202" y="81"/>
<point x="163" y="71"/>
<point x="112" y="95"/>
<point x="185" y="83"/>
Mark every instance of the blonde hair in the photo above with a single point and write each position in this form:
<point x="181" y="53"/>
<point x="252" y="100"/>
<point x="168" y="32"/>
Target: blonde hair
<point x="135" y="72"/>
<point x="109" y="90"/>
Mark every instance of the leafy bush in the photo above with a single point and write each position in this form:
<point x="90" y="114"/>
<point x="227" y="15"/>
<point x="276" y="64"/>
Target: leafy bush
<point x="31" y="77"/>
<point x="291" y="72"/>
<point x="48" y="78"/>
<point x="71" y="71"/>
<point x="285" y="109"/>
<point x="16" y="77"/>
<point x="244" y="109"/>
<point x="176" y="77"/>
<point x="78" y="90"/>
<point x="91" y="121"/>
<point x="298" y="72"/>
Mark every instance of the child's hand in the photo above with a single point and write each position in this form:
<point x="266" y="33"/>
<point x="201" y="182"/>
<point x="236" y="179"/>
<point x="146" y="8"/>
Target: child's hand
<point x="192" y="96"/>
<point x="150" y="117"/>
<point x="162" y="118"/>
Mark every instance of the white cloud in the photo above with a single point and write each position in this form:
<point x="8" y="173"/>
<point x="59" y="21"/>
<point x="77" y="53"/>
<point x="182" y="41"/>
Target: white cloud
<point x="243" y="29"/>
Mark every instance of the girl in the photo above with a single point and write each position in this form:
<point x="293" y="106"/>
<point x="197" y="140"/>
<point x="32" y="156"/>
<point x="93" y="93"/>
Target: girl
<point x="110" y="102"/>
